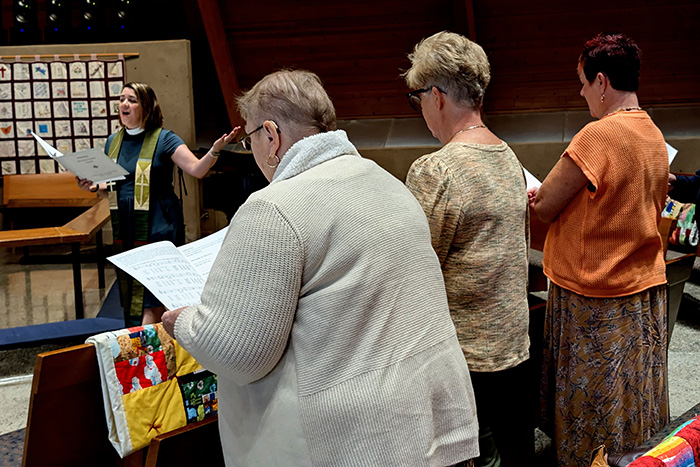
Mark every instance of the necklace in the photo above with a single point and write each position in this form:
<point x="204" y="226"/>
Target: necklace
<point x="473" y="127"/>
<point x="626" y="109"/>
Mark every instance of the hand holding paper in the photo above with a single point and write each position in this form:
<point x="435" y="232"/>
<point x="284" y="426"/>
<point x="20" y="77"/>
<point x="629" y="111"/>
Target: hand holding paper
<point x="89" y="164"/>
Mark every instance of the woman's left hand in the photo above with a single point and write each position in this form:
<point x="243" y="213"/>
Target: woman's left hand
<point x="169" y="318"/>
<point x="225" y="139"/>
<point x="531" y="195"/>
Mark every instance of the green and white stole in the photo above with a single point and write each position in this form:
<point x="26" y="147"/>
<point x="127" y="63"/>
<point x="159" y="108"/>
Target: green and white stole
<point x="131" y="290"/>
<point x="142" y="187"/>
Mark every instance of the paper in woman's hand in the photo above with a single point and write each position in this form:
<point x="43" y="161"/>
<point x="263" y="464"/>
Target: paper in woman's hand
<point x="671" y="153"/>
<point x="530" y="180"/>
<point x="176" y="276"/>
<point x="89" y="164"/>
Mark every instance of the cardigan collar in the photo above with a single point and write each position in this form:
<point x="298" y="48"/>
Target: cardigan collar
<point x="313" y="150"/>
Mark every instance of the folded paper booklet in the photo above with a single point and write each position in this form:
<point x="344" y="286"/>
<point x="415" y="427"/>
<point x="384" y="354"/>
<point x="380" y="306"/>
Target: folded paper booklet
<point x="671" y="153"/>
<point x="175" y="275"/>
<point x="90" y="164"/>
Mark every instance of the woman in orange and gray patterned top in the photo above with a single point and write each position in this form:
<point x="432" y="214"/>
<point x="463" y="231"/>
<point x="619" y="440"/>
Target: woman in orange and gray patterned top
<point x="473" y="193"/>
<point x="605" y="329"/>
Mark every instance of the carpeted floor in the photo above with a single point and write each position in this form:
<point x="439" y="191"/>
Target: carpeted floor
<point x="11" y="448"/>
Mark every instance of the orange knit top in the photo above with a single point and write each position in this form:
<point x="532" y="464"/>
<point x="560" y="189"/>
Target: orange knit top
<point x="605" y="242"/>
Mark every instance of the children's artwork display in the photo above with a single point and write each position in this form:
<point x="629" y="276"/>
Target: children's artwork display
<point x="72" y="105"/>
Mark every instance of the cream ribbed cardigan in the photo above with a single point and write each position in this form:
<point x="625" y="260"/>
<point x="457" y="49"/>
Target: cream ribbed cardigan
<point x="326" y="320"/>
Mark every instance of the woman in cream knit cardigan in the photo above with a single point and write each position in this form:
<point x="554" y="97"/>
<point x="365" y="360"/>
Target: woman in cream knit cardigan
<point x="325" y="315"/>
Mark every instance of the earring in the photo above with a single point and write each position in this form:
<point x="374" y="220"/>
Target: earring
<point x="602" y="98"/>
<point x="277" y="161"/>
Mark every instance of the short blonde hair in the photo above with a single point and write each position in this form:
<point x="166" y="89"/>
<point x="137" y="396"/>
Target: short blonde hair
<point x="295" y="98"/>
<point x="453" y="63"/>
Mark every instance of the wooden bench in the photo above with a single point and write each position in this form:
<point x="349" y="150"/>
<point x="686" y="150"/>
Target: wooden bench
<point x="67" y="423"/>
<point x="58" y="190"/>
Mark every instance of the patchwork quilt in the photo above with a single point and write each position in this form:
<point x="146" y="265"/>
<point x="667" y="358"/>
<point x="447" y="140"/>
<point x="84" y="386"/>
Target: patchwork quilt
<point x="150" y="385"/>
<point x="680" y="449"/>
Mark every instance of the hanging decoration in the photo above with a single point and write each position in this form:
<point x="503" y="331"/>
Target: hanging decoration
<point x="72" y="105"/>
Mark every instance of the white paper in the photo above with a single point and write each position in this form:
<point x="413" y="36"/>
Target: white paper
<point x="530" y="180"/>
<point x="176" y="276"/>
<point x="202" y="253"/>
<point x="671" y="153"/>
<point x="90" y="164"/>
<point x="50" y="150"/>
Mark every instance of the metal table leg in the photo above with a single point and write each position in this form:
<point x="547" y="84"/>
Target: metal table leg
<point x="77" y="281"/>
<point x="99" y="251"/>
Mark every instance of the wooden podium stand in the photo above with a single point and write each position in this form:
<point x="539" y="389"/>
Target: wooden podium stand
<point x="67" y="424"/>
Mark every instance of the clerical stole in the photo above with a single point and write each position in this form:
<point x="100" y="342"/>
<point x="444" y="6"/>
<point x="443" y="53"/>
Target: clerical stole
<point x="131" y="291"/>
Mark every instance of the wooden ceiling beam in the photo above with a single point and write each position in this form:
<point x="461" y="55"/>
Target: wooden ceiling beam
<point x="471" y="19"/>
<point x="464" y="18"/>
<point x="221" y="53"/>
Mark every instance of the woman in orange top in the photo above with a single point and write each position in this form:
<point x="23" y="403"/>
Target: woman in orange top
<point x="604" y="378"/>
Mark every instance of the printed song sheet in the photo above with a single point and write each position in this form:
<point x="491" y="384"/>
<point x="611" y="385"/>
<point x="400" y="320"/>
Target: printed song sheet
<point x="90" y="164"/>
<point x="202" y="253"/>
<point x="176" y="276"/>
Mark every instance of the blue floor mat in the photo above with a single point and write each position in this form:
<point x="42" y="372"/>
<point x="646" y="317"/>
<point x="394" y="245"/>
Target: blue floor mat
<point x="109" y="318"/>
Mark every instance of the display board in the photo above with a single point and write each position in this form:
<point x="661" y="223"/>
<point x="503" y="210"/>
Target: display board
<point x="73" y="105"/>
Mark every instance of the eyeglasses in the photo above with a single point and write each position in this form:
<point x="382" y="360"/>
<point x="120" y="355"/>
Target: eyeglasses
<point x="245" y="139"/>
<point x="414" y="97"/>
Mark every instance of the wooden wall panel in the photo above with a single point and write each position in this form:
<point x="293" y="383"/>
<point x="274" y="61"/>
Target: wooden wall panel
<point x="534" y="47"/>
<point x="358" y="48"/>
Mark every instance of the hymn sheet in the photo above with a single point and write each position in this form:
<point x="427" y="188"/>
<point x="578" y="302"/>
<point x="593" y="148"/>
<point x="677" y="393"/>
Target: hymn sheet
<point x="176" y="276"/>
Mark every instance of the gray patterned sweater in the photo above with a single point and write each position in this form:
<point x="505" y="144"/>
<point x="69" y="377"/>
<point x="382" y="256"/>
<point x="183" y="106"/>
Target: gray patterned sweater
<point x="326" y="320"/>
<point x="474" y="198"/>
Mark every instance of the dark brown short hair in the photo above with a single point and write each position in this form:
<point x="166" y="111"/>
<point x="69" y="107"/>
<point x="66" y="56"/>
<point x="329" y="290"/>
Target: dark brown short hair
<point x="152" y="115"/>
<point x="615" y="55"/>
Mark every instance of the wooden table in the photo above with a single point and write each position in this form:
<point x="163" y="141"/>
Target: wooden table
<point x="58" y="190"/>
<point x="44" y="190"/>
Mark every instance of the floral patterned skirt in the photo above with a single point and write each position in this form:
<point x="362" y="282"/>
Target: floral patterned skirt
<point x="604" y="372"/>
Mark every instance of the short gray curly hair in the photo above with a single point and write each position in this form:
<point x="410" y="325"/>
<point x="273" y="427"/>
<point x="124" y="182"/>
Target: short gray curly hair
<point x="294" y="97"/>
<point x="453" y="63"/>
